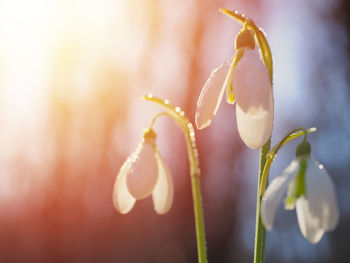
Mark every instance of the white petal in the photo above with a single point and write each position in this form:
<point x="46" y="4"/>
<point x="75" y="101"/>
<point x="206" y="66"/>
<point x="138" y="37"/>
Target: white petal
<point x="254" y="99"/>
<point x="274" y="194"/>
<point x="211" y="95"/>
<point x="319" y="212"/>
<point x="143" y="174"/>
<point x="255" y="131"/>
<point x="308" y="223"/>
<point x="163" y="192"/>
<point x="123" y="201"/>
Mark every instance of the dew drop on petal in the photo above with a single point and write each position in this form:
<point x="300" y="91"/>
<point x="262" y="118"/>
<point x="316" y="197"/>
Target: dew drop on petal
<point x="143" y="173"/>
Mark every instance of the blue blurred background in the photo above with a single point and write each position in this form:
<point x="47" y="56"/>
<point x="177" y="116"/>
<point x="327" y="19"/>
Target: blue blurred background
<point x="71" y="77"/>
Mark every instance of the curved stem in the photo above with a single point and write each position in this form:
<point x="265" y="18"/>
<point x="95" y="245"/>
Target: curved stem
<point x="158" y="115"/>
<point x="259" y="37"/>
<point x="187" y="128"/>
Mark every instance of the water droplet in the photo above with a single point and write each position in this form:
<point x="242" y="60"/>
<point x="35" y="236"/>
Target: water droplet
<point x="177" y="109"/>
<point x="189" y="125"/>
<point x="236" y="12"/>
<point x="166" y="101"/>
<point x="150" y="95"/>
<point x="320" y="166"/>
<point x="182" y="114"/>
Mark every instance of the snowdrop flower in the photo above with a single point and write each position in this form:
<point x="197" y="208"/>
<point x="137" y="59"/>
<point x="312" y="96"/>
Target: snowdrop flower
<point x="246" y="80"/>
<point x="309" y="188"/>
<point x="143" y="174"/>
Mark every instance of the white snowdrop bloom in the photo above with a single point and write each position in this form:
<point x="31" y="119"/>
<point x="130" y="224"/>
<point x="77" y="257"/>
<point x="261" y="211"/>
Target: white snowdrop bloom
<point x="143" y="174"/>
<point x="316" y="205"/>
<point x="246" y="80"/>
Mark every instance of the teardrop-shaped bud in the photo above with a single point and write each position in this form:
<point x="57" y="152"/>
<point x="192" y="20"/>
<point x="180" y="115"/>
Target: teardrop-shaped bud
<point x="143" y="174"/>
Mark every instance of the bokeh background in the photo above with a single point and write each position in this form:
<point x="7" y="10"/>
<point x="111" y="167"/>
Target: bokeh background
<point x="71" y="76"/>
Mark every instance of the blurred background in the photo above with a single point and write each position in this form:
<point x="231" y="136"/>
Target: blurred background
<point x="71" y="76"/>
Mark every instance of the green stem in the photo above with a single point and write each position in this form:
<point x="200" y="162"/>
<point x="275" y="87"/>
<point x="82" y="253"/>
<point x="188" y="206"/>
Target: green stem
<point x="187" y="128"/>
<point x="260" y="233"/>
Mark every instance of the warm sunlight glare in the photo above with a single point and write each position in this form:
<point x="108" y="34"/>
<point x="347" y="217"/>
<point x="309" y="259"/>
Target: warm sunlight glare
<point x="52" y="53"/>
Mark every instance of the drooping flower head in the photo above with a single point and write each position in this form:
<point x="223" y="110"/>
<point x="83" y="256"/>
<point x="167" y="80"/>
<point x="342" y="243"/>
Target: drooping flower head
<point x="309" y="188"/>
<point x="247" y="82"/>
<point x="144" y="173"/>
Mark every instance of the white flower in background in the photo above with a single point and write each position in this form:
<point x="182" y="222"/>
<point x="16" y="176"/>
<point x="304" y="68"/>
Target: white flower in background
<point x="143" y="174"/>
<point x="246" y="80"/>
<point x="310" y="189"/>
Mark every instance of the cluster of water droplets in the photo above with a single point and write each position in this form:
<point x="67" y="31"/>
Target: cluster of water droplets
<point x="187" y="126"/>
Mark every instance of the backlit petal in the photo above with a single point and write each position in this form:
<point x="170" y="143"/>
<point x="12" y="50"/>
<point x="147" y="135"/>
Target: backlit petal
<point x="143" y="174"/>
<point x="254" y="99"/>
<point x="163" y="192"/>
<point x="308" y="223"/>
<point x="255" y="129"/>
<point x="211" y="95"/>
<point x="319" y="211"/>
<point x="274" y="194"/>
<point x="123" y="201"/>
